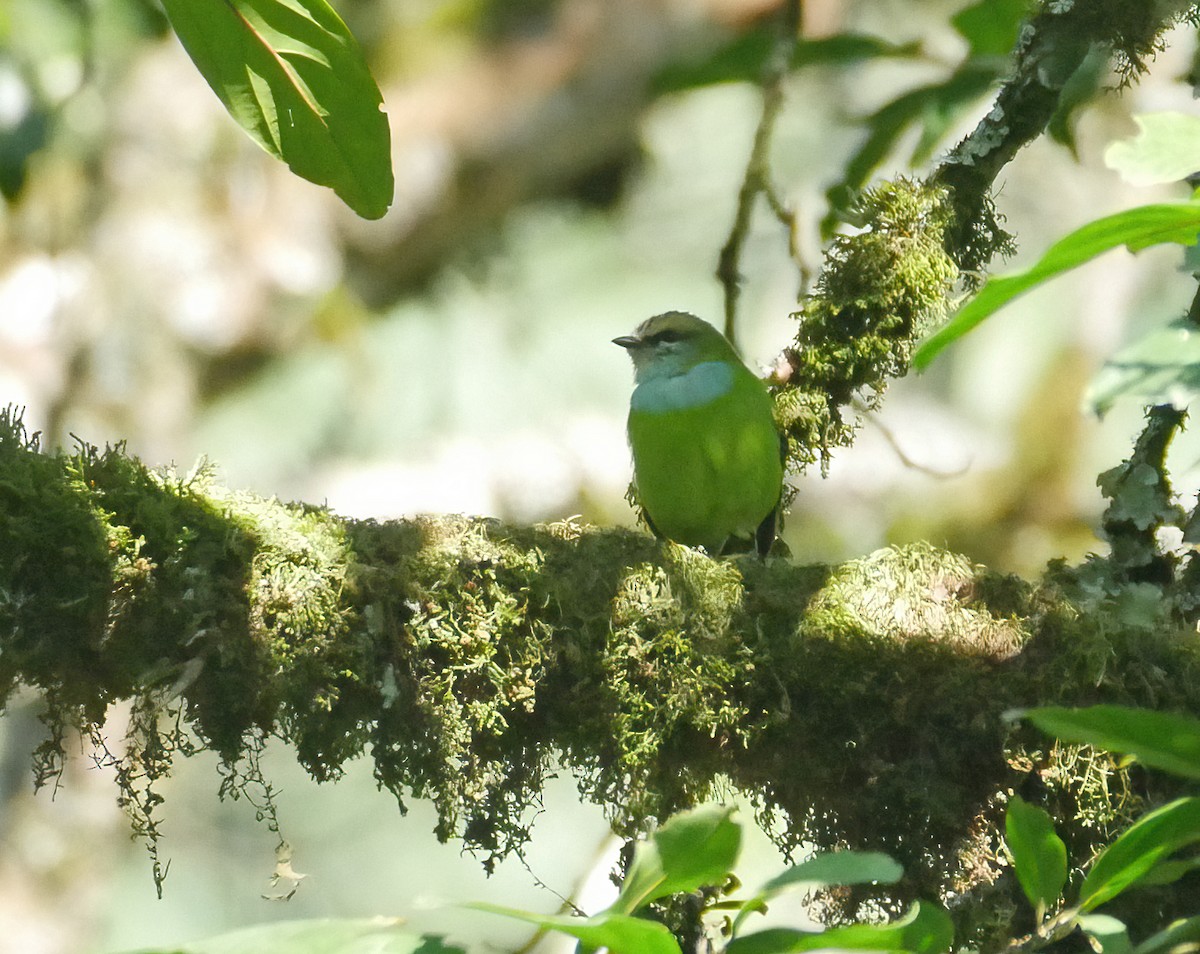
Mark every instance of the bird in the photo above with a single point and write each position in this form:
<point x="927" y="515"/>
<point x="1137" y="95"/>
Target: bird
<point x="707" y="457"/>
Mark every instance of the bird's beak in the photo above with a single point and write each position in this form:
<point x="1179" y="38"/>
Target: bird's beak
<point x="627" y="341"/>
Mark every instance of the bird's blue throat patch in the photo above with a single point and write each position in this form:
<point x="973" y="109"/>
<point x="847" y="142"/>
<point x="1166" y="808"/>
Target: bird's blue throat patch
<point x="704" y="382"/>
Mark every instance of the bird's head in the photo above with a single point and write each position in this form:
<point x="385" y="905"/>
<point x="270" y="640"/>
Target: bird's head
<point x="673" y="343"/>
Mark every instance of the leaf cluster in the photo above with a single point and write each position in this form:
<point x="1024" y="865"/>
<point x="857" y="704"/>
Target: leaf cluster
<point x="292" y="76"/>
<point x="1158" y="849"/>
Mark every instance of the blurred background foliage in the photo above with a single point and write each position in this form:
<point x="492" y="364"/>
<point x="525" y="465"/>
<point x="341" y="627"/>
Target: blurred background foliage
<point x="564" y="168"/>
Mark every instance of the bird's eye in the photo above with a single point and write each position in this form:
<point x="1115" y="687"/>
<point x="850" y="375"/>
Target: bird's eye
<point x="667" y="336"/>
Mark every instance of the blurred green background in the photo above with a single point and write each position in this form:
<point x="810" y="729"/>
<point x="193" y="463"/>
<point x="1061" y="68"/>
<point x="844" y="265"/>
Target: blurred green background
<point x="164" y="283"/>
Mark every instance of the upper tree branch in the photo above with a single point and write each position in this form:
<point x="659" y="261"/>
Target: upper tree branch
<point x="883" y="288"/>
<point x="1051" y="47"/>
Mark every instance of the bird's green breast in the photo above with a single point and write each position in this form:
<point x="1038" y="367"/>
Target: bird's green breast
<point x="706" y="454"/>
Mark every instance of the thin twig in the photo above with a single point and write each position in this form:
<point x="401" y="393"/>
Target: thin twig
<point x="868" y="416"/>
<point x="757" y="177"/>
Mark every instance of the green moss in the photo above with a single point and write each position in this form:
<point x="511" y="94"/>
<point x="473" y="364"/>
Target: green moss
<point x="464" y="653"/>
<point x="871" y="599"/>
<point x="892" y="673"/>
<point x="675" y="675"/>
<point x="218" y="614"/>
<point x="879" y="292"/>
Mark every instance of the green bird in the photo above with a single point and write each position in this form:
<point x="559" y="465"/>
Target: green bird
<point x="706" y="455"/>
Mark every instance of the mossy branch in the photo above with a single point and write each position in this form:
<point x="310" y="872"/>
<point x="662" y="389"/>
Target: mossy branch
<point x="859" y="704"/>
<point x="887" y="285"/>
<point x="1051" y="48"/>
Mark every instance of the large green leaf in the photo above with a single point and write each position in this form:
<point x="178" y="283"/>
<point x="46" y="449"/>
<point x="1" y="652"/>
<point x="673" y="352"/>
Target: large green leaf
<point x="619" y="933"/>
<point x="295" y="79"/>
<point x="1141" y="847"/>
<point x="1168" y="872"/>
<point x="1135" y="228"/>
<point x="1166" y="149"/>
<point x="1158" y="739"/>
<point x="324" y="936"/>
<point x="691" y="849"/>
<point x="827" y="868"/>
<point x="926" y="929"/>
<point x="838" y="868"/>
<point x="1161" y="367"/>
<point x="1039" y="855"/>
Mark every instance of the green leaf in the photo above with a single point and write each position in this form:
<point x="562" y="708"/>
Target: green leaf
<point x="323" y="936"/>
<point x="1162" y="367"/>
<point x="926" y="929"/>
<point x="828" y="868"/>
<point x="1136" y="228"/>
<point x="620" y="933"/>
<point x="845" y="48"/>
<point x="1039" y="855"/>
<point x="1168" y="872"/>
<point x="294" y="78"/>
<point x="1151" y="839"/>
<point x="990" y="26"/>
<point x="1108" y="933"/>
<point x="1165" y="149"/>
<point x="740" y="60"/>
<point x="1158" y="739"/>
<point x="838" y="868"/>
<point x="691" y="849"/>
<point x="1180" y="935"/>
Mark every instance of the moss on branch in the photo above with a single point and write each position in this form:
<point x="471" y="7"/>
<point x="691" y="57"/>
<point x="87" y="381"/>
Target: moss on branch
<point x="884" y="286"/>
<point x="880" y="291"/>
<point x="860" y="704"/>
